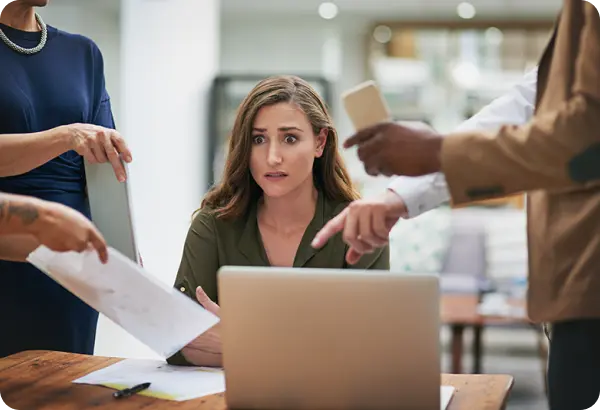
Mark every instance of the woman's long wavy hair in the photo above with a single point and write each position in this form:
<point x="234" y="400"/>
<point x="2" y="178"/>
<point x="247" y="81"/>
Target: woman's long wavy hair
<point x="237" y="190"/>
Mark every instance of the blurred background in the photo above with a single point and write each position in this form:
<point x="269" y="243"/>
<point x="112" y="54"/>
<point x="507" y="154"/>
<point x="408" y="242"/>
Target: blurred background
<point x="176" y="71"/>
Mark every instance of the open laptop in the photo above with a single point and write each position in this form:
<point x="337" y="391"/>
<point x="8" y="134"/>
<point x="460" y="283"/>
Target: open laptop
<point x="110" y="206"/>
<point x="330" y="339"/>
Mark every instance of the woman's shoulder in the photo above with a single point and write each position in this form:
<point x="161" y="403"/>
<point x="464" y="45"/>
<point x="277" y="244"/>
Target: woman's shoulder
<point x="73" y="39"/>
<point x="203" y="218"/>
<point x="81" y="51"/>
<point x="208" y="218"/>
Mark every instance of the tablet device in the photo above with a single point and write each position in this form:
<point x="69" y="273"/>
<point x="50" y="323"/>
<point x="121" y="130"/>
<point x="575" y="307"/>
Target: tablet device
<point x="110" y="206"/>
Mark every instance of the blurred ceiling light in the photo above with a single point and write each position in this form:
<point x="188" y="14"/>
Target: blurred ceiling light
<point x="466" y="74"/>
<point x="328" y="10"/>
<point x="493" y="35"/>
<point x="465" y="10"/>
<point x="382" y="34"/>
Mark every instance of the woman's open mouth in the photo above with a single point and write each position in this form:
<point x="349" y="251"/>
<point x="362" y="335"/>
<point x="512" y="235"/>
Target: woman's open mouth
<point x="275" y="176"/>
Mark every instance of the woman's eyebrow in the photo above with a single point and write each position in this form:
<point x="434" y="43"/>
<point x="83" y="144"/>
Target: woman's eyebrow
<point x="290" y="128"/>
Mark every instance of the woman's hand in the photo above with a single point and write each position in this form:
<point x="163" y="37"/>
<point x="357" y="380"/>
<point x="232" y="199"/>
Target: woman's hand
<point x="205" y="350"/>
<point x="98" y="145"/>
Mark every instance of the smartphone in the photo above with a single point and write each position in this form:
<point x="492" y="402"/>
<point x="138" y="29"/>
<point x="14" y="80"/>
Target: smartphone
<point x="365" y="105"/>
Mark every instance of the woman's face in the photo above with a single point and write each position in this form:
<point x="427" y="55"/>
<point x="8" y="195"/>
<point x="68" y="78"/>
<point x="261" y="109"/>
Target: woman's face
<point x="284" y="149"/>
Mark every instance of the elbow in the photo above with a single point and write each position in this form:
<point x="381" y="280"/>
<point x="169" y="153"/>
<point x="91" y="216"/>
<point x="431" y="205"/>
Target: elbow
<point x="585" y="166"/>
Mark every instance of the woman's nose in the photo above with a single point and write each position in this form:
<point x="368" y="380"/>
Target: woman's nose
<point x="274" y="155"/>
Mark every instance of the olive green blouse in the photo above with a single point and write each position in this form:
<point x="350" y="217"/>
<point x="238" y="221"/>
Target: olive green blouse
<point x="212" y="243"/>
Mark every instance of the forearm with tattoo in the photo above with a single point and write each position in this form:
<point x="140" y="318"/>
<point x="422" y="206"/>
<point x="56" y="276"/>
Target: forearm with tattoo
<point x="17" y="213"/>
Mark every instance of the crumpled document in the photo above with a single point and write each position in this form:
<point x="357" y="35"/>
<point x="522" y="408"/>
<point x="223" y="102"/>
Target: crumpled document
<point x="157" y="315"/>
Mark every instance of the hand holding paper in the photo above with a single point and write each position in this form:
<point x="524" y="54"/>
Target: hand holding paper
<point x="154" y="313"/>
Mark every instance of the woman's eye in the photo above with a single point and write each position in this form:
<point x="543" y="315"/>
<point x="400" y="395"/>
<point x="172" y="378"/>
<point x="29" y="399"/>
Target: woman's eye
<point x="258" y="139"/>
<point x="290" y="139"/>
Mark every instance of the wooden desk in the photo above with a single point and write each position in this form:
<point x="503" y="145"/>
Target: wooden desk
<point x="42" y="381"/>
<point x="460" y="311"/>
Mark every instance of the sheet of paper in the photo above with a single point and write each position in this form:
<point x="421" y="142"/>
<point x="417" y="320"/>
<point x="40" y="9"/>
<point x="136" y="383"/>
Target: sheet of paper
<point x="446" y="393"/>
<point x="176" y="382"/>
<point x="167" y="382"/>
<point x="156" y="314"/>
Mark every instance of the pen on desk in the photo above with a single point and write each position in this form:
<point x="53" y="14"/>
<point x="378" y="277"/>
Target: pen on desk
<point x="130" y="391"/>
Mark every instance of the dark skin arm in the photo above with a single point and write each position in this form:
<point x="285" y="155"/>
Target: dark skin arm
<point x="393" y="149"/>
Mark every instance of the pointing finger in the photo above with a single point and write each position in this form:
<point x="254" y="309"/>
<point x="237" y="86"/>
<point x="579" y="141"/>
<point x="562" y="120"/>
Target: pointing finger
<point x="363" y="135"/>
<point x="331" y="228"/>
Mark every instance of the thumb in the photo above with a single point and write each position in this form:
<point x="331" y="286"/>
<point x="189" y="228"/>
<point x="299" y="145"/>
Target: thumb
<point x="205" y="301"/>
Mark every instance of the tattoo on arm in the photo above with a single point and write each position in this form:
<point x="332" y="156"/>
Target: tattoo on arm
<point x="27" y="213"/>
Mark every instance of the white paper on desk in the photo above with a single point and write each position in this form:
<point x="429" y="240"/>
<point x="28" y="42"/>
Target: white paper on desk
<point x="446" y="393"/>
<point x="167" y="382"/>
<point x="157" y="315"/>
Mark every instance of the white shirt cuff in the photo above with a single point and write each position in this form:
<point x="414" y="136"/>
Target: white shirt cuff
<point x="421" y="194"/>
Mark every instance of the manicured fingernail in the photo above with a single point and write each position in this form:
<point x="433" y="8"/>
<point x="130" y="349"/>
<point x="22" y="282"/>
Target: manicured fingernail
<point x="315" y="242"/>
<point x="121" y="178"/>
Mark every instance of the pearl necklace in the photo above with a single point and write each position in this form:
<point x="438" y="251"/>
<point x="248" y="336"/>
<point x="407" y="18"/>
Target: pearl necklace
<point x="24" y="50"/>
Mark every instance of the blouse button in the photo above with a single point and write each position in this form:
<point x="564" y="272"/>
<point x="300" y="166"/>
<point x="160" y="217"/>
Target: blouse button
<point x="182" y="289"/>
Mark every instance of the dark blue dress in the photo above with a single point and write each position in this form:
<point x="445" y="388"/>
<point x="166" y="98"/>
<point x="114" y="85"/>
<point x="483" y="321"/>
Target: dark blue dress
<point x="62" y="84"/>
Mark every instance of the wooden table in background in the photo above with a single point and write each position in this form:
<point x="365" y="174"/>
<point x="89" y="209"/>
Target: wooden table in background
<point x="459" y="312"/>
<point x="39" y="380"/>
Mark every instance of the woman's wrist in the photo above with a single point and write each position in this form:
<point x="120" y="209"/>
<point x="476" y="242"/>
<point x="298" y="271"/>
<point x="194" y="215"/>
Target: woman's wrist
<point x="62" y="136"/>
